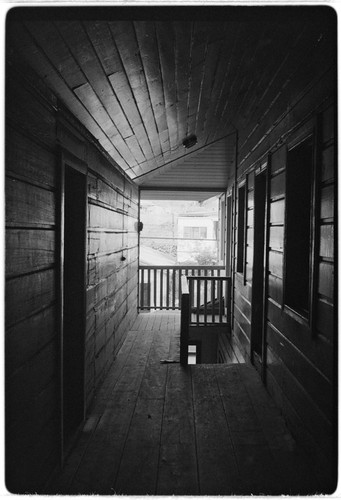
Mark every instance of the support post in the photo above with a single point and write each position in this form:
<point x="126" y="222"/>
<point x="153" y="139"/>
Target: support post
<point x="185" y="312"/>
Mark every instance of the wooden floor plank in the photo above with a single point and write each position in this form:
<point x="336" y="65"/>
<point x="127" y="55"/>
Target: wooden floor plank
<point x="60" y="483"/>
<point x="291" y="460"/>
<point x="253" y="455"/>
<point x="160" y="347"/>
<point x="137" y="324"/>
<point x="103" y="393"/>
<point x="98" y="469"/>
<point x="159" y="428"/>
<point x="178" y="465"/>
<point x="214" y="443"/>
<point x="154" y="379"/>
<point x="140" y="458"/>
<point x="174" y="347"/>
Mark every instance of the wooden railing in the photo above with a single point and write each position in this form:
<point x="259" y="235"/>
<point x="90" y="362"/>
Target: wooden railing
<point x="205" y="303"/>
<point x="160" y="286"/>
<point x="210" y="299"/>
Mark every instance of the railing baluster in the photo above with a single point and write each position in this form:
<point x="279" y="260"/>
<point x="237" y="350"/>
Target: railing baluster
<point x="219" y="283"/>
<point x="167" y="289"/>
<point x="155" y="281"/>
<point x="148" y="290"/>
<point x="142" y="289"/>
<point x="198" y="301"/>
<point x="213" y="298"/>
<point x="205" y="302"/>
<point x="161" y="288"/>
<point x="179" y="286"/>
<point x="191" y="283"/>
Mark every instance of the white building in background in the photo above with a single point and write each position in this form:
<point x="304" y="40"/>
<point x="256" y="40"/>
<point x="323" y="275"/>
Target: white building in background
<point x="197" y="238"/>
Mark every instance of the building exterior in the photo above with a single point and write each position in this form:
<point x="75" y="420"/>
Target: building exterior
<point x="197" y="238"/>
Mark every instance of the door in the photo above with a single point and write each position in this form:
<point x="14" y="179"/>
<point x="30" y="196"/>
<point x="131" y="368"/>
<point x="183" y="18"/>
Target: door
<point x="258" y="270"/>
<point x="74" y="273"/>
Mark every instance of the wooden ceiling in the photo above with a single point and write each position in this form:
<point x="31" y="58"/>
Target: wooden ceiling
<point x="142" y="81"/>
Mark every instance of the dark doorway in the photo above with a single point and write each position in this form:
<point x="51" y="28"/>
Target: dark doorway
<point x="74" y="301"/>
<point x="258" y="269"/>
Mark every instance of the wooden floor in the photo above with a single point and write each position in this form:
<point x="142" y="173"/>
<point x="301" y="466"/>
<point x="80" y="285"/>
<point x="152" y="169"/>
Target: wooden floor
<point x="158" y="428"/>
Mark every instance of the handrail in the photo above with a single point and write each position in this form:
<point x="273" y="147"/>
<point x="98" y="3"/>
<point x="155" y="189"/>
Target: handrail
<point x="207" y="278"/>
<point x="180" y="266"/>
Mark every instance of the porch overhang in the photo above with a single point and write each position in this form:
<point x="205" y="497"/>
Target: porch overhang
<point x="177" y="193"/>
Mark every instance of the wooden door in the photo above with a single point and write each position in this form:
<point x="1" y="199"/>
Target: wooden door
<point x="258" y="275"/>
<point x="74" y="272"/>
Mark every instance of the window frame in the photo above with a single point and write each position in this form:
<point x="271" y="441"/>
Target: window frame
<point x="305" y="133"/>
<point x="241" y="252"/>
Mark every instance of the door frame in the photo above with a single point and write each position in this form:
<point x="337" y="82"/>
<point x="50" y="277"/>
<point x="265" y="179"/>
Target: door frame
<point x="68" y="160"/>
<point x="264" y="169"/>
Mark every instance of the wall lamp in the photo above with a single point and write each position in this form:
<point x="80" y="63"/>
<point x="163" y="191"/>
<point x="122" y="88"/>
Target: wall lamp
<point x="190" y="141"/>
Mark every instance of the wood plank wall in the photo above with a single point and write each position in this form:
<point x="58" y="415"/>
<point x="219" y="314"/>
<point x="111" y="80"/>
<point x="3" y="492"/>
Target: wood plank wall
<point x="31" y="341"/>
<point x="300" y="369"/>
<point x="35" y="131"/>
<point x="112" y="266"/>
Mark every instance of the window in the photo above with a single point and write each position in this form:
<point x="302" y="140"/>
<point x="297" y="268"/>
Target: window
<point x="195" y="232"/>
<point x="299" y="185"/>
<point x="241" y="229"/>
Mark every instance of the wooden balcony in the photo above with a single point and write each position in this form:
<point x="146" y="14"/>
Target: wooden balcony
<point x="157" y="428"/>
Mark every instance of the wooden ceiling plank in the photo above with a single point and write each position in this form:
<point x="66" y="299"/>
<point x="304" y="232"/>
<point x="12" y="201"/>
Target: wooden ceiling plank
<point x="312" y="59"/>
<point x="86" y="94"/>
<point x="270" y="51"/>
<point x="37" y="59"/>
<point x="281" y="72"/>
<point x="278" y="70"/>
<point x="126" y="43"/>
<point x="125" y="40"/>
<point x="122" y="88"/>
<point x="146" y="37"/>
<point x="246" y="40"/>
<point x="222" y="76"/>
<point x="134" y="146"/>
<point x="243" y="79"/>
<point x="262" y="66"/>
<point x="79" y="43"/>
<point x="104" y="45"/>
<point x="208" y="81"/>
<point x="183" y="37"/>
<point x="280" y="79"/>
<point x="198" y="59"/>
<point x="57" y="51"/>
<point x="166" y="42"/>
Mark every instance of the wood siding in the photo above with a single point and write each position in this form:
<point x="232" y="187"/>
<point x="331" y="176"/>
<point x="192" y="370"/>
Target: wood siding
<point x="31" y="310"/>
<point x="111" y="281"/>
<point x="300" y="369"/>
<point x="35" y="133"/>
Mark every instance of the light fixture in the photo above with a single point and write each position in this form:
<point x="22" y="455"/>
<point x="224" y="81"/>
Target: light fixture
<point x="190" y="141"/>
